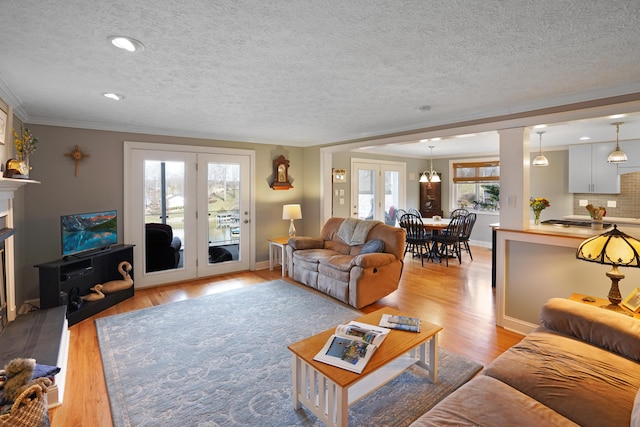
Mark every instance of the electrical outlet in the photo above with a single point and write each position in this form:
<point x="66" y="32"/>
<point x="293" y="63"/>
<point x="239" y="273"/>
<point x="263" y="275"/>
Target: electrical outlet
<point x="342" y="192"/>
<point x="342" y="201"/>
<point x="611" y="203"/>
<point x="583" y="202"/>
<point x="412" y="176"/>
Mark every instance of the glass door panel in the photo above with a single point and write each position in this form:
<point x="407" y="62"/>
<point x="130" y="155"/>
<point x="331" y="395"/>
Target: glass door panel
<point x="366" y="200"/>
<point x="223" y="211"/>
<point x="224" y="197"/>
<point x="162" y="193"/>
<point x="391" y="195"/>
<point x="164" y="196"/>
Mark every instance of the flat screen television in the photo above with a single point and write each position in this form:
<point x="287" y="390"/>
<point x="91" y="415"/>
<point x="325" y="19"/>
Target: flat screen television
<point x="88" y="232"/>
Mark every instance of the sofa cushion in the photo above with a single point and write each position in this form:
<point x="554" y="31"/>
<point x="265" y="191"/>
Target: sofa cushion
<point x="587" y="384"/>
<point x="310" y="258"/>
<point x="603" y="328"/>
<point x="299" y="243"/>
<point x="485" y="401"/>
<point x="339" y="262"/>
<point x="372" y="246"/>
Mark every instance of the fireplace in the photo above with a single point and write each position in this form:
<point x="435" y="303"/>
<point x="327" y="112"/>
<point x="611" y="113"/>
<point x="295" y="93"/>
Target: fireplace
<point x="4" y="233"/>
<point x="8" y="187"/>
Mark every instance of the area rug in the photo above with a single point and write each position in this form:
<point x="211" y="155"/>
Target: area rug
<point x="222" y="360"/>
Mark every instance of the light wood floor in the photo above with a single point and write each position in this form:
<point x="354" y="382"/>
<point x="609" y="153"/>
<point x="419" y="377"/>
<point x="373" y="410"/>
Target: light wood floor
<point x="458" y="297"/>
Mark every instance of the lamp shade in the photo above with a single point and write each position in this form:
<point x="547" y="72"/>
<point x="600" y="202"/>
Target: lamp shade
<point x="613" y="248"/>
<point x="540" y="160"/>
<point x="617" y="155"/>
<point x="291" y="212"/>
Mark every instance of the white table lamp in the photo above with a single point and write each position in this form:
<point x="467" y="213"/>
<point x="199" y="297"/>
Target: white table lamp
<point x="291" y="212"/>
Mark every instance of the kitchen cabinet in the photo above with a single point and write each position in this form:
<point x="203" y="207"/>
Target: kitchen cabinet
<point x="589" y="171"/>
<point x="632" y="150"/>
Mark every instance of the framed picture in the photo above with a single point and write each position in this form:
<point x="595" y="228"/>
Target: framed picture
<point x="632" y="301"/>
<point x="3" y="125"/>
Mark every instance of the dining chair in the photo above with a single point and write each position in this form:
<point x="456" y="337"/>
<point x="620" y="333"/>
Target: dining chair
<point x="448" y="241"/>
<point x="459" y="212"/>
<point x="415" y="212"/>
<point x="417" y="240"/>
<point x="399" y="214"/>
<point x="469" y="222"/>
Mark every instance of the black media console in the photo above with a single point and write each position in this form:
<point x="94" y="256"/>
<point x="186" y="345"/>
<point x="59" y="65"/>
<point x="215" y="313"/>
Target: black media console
<point x="61" y="279"/>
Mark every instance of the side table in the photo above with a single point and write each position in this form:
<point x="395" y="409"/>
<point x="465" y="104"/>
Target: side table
<point x="601" y="302"/>
<point x="278" y="256"/>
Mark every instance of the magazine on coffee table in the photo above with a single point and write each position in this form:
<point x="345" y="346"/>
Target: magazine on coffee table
<point x="352" y="345"/>
<point x="403" y="323"/>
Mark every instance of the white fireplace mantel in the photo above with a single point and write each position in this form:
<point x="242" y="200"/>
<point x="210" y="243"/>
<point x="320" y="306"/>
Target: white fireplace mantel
<point x="8" y="187"/>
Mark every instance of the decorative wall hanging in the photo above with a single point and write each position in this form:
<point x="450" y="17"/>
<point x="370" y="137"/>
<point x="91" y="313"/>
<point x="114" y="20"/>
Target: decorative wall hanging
<point x="281" y="173"/>
<point x="77" y="155"/>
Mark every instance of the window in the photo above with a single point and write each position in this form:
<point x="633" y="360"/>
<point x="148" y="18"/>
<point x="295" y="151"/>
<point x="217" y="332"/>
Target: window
<point x="476" y="185"/>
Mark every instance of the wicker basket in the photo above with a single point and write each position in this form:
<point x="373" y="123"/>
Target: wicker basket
<point x="30" y="413"/>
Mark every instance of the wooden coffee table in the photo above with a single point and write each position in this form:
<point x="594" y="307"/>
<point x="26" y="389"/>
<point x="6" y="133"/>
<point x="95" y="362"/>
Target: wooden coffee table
<point x="327" y="391"/>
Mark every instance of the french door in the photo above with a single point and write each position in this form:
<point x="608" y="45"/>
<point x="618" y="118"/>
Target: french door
<point x="223" y="213"/>
<point x="378" y="189"/>
<point x="203" y="196"/>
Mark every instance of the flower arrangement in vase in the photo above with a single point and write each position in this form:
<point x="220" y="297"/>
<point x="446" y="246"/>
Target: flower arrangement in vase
<point x="538" y="204"/>
<point x="25" y="144"/>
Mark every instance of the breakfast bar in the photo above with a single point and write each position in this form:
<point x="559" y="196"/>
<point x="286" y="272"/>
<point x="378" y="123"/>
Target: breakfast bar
<point x="540" y="263"/>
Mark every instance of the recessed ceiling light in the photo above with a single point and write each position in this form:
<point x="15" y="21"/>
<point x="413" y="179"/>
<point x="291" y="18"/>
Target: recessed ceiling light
<point x="126" y="43"/>
<point x="113" y="96"/>
<point x="540" y="126"/>
<point x="424" y="140"/>
<point x="584" y="138"/>
<point x="436" y="139"/>
<point x="617" y="116"/>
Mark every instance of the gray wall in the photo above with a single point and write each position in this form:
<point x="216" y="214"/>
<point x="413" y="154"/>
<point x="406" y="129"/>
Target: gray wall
<point x="99" y="185"/>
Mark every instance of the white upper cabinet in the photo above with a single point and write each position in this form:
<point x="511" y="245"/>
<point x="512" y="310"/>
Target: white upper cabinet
<point x="589" y="171"/>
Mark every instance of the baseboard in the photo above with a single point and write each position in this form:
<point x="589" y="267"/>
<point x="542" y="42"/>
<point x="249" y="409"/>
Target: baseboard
<point x="261" y="265"/>
<point x="480" y="243"/>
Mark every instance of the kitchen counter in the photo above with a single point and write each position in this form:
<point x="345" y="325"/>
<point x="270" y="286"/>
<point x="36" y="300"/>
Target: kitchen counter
<point x="627" y="225"/>
<point x="611" y="219"/>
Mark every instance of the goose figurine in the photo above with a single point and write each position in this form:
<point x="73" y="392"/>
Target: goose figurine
<point x="117" y="285"/>
<point x="95" y="296"/>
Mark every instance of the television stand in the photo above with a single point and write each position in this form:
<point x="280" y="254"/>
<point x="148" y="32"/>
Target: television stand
<point x="59" y="278"/>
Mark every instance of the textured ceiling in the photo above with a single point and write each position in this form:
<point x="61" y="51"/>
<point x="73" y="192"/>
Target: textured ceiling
<point x="310" y="72"/>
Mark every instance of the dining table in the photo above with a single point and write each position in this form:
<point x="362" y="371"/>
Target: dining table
<point x="435" y="225"/>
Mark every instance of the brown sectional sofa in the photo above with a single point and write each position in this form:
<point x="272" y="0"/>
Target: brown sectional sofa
<point x="580" y="367"/>
<point x="335" y="265"/>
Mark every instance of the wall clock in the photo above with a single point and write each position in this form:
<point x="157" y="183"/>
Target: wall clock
<point x="281" y="174"/>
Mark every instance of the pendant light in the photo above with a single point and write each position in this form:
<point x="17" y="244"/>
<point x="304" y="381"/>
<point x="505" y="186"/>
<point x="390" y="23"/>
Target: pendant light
<point x="540" y="160"/>
<point x="617" y="155"/>
<point x="430" y="175"/>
